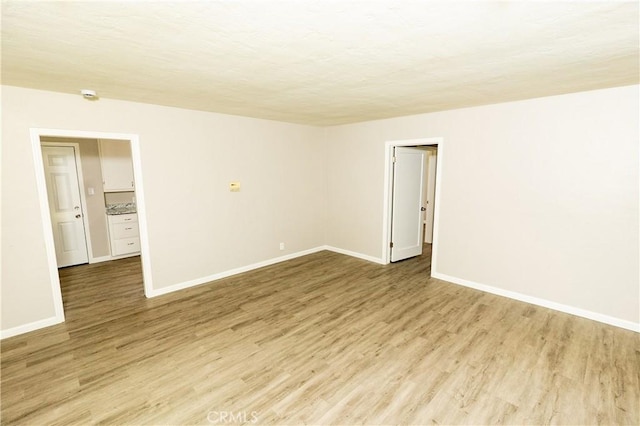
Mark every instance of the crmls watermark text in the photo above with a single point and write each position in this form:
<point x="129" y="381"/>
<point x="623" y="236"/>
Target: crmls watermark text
<point x="222" y="417"/>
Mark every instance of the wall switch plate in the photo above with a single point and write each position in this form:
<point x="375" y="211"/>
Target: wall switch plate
<point x="91" y="191"/>
<point x="234" y="187"/>
<point x="281" y="246"/>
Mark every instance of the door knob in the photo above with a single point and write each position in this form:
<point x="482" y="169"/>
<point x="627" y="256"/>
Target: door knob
<point x="78" y="216"/>
<point x="423" y="209"/>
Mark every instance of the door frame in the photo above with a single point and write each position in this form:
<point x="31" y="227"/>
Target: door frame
<point x="430" y="195"/>
<point x="388" y="189"/>
<point x="36" y="134"/>
<point x="83" y="199"/>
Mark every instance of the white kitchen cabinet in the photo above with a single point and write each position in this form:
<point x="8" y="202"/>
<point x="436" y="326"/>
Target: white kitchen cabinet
<point x="123" y="234"/>
<point x="117" y="166"/>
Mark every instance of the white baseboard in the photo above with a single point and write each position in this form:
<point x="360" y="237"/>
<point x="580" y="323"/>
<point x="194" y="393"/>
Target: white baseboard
<point x="225" y="274"/>
<point x="100" y="259"/>
<point x="606" y="319"/>
<point x="109" y="257"/>
<point x="32" y="326"/>
<point x="355" y="254"/>
<point x="629" y="325"/>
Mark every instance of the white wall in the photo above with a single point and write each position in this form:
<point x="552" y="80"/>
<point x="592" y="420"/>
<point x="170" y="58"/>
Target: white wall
<point x="539" y="197"/>
<point x="197" y="228"/>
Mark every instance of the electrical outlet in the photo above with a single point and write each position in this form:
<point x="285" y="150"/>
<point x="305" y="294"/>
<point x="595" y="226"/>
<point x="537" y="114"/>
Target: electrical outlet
<point x="281" y="246"/>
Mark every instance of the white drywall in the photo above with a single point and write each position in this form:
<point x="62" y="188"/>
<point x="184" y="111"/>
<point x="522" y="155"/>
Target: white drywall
<point x="197" y="227"/>
<point x="539" y="197"/>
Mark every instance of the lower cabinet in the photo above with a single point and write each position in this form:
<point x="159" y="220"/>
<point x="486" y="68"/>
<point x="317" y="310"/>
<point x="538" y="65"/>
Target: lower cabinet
<point x="123" y="234"/>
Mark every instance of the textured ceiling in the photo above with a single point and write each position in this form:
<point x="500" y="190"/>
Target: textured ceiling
<point x="320" y="62"/>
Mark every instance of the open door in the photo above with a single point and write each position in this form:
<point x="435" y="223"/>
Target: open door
<point x="407" y="204"/>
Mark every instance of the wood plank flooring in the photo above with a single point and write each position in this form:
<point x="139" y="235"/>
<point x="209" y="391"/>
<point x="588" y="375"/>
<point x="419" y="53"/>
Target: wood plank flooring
<point x="321" y="339"/>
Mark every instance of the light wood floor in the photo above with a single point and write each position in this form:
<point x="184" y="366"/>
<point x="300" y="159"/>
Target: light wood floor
<point x="322" y="339"/>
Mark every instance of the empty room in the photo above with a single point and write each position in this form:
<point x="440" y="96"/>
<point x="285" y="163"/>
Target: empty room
<point x="320" y="212"/>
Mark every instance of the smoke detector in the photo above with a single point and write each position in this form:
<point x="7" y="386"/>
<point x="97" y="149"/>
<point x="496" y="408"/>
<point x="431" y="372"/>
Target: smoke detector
<point x="90" y="95"/>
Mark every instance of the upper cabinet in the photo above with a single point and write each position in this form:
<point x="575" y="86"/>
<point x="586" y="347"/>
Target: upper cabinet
<point x="117" y="167"/>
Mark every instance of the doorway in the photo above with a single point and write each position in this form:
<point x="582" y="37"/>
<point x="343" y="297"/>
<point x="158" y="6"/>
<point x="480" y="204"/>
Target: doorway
<point x="37" y="136"/>
<point x="390" y="147"/>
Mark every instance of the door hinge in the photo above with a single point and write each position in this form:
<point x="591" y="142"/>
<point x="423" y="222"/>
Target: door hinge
<point x="393" y="159"/>
<point x="391" y="244"/>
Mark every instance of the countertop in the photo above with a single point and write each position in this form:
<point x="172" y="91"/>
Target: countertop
<point x="125" y="208"/>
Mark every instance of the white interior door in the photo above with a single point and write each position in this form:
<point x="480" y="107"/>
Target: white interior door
<point x="407" y="213"/>
<point x="431" y="196"/>
<point x="63" y="192"/>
